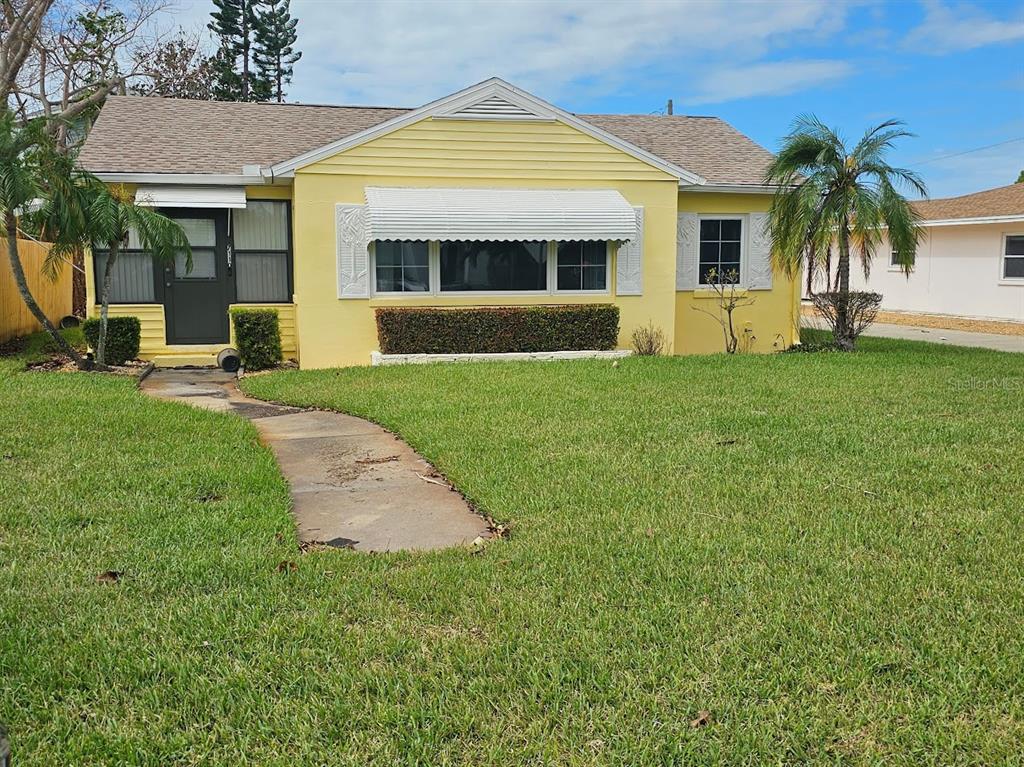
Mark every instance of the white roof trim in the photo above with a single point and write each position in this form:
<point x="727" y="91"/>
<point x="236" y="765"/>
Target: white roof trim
<point x="976" y="220"/>
<point x="200" y="179"/>
<point x="729" y="188"/>
<point x="467" y="97"/>
<point x="190" y="196"/>
<point x="486" y="214"/>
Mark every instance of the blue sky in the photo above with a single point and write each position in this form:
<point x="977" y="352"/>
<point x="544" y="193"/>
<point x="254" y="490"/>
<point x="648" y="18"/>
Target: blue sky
<point x="954" y="71"/>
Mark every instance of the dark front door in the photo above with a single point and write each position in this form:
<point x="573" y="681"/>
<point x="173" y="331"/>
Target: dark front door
<point x="197" y="301"/>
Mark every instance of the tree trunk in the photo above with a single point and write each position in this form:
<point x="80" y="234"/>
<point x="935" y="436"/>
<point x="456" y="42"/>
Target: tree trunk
<point x="11" y="226"/>
<point x="244" y="20"/>
<point x="108" y="278"/>
<point x="844" y="333"/>
<point x="78" y="282"/>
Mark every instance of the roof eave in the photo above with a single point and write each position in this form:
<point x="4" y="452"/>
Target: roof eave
<point x="1010" y="219"/>
<point x="193" y="179"/>
<point x="729" y="188"/>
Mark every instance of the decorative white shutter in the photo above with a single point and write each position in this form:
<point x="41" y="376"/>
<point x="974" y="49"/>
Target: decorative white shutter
<point x="687" y="251"/>
<point x="759" y="269"/>
<point x="629" y="264"/>
<point x="353" y="251"/>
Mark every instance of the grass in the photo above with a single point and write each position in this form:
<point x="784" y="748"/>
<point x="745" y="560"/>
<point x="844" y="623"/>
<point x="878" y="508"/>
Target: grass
<point x="822" y="550"/>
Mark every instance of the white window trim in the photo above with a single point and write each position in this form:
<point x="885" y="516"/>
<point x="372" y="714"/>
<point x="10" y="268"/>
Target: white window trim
<point x="744" y="220"/>
<point x="893" y="267"/>
<point x="434" y="263"/>
<point x="1003" y="279"/>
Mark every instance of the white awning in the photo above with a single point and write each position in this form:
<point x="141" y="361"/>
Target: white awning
<point x="191" y="196"/>
<point x="498" y="214"/>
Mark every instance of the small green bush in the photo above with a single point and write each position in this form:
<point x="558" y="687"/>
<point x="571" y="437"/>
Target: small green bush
<point x="258" y="336"/>
<point x="497" y="330"/>
<point x="123" y="337"/>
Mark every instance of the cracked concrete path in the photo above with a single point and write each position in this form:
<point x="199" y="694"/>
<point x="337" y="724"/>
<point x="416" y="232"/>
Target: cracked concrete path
<point x="353" y="484"/>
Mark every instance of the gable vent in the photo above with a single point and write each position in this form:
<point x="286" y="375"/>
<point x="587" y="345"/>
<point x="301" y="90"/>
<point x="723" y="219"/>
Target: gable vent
<point x="495" y="108"/>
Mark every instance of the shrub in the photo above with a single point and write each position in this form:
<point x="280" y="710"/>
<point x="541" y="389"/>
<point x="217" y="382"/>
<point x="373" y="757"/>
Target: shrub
<point x="648" y="341"/>
<point x="496" y="330"/>
<point x="123" y="337"/>
<point x="847" y="314"/>
<point x="258" y="336"/>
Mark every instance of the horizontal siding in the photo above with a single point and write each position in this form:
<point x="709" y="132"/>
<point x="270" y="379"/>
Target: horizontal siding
<point x="482" y="149"/>
<point x="285" y="320"/>
<point x="153" y="341"/>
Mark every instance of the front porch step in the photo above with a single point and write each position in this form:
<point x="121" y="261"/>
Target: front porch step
<point x="204" y="360"/>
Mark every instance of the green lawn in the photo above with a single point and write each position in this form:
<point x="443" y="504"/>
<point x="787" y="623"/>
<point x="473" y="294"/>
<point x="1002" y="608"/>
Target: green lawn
<point x="822" y="550"/>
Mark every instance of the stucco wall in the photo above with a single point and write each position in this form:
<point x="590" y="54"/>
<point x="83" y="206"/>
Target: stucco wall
<point x="957" y="270"/>
<point x="438" y="153"/>
<point x="772" y="320"/>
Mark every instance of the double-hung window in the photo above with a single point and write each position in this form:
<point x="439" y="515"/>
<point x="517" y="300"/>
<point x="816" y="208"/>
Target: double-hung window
<point x="1013" y="257"/>
<point x="470" y="266"/>
<point x="720" y="250"/>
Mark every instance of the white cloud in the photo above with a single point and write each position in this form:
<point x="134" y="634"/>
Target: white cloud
<point x="948" y="28"/>
<point x="407" y="53"/>
<point x="774" y="78"/>
<point x="973" y="172"/>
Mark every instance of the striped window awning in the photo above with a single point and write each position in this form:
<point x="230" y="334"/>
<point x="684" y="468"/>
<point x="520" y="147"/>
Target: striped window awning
<point x="498" y="214"/>
<point x="191" y="196"/>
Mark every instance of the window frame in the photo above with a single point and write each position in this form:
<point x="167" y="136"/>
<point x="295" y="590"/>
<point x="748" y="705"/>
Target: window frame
<point x="432" y="254"/>
<point x="97" y="276"/>
<point x="1004" y="241"/>
<point x="895" y="267"/>
<point x="434" y="264"/>
<point x="744" y="219"/>
<point x="289" y="260"/>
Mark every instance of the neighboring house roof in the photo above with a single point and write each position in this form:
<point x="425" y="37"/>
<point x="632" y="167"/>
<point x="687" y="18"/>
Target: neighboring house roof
<point x="137" y="134"/>
<point x="1004" y="203"/>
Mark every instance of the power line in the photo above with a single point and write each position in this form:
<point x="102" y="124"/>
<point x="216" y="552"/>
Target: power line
<point x="967" y="151"/>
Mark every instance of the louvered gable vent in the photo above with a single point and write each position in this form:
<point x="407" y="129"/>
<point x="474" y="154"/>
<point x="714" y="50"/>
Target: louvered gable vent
<point x="495" y="107"/>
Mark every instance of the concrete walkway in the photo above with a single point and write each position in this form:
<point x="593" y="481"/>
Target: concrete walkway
<point x="353" y="484"/>
<point x="1002" y="343"/>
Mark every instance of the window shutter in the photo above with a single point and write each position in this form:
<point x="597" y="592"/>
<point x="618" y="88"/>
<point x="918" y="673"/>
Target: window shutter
<point x="629" y="268"/>
<point x="687" y="251"/>
<point x="353" y="252"/>
<point x="760" y="253"/>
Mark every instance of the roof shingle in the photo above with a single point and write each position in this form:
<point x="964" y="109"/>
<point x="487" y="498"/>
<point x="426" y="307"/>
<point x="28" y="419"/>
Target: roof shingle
<point x="137" y="134"/>
<point x="1001" y="201"/>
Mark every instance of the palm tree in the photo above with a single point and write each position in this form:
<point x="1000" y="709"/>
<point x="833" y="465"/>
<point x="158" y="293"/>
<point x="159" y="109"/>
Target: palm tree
<point x="31" y="172"/>
<point x="828" y="194"/>
<point x="113" y="213"/>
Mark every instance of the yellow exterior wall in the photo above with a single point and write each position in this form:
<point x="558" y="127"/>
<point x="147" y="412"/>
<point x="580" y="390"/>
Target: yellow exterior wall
<point x="437" y="153"/>
<point x="773" y="319"/>
<point x="486" y="150"/>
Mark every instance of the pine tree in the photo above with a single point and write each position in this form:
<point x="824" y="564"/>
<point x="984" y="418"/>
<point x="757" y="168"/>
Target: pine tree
<point x="235" y="24"/>
<point x="273" y="51"/>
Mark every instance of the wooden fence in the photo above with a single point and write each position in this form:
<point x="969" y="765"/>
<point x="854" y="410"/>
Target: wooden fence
<point x="53" y="297"/>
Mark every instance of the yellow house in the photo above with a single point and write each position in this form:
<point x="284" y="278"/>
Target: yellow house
<point x="487" y="197"/>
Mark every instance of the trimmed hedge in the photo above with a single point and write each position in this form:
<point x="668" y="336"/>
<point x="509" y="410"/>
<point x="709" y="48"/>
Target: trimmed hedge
<point x="496" y="330"/>
<point x="258" y="336"/>
<point x="124" y="334"/>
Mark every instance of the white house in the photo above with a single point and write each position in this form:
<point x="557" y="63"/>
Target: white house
<point x="970" y="264"/>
